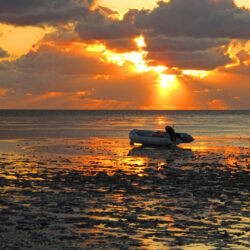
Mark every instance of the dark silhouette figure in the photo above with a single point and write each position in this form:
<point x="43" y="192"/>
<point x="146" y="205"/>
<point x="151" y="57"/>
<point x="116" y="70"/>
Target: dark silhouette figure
<point x="171" y="132"/>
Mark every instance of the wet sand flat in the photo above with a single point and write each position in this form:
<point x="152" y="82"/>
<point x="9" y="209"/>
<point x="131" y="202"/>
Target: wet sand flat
<point x="104" y="194"/>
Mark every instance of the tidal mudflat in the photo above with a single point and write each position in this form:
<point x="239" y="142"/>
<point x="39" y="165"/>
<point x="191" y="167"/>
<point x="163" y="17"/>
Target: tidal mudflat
<point x="104" y="194"/>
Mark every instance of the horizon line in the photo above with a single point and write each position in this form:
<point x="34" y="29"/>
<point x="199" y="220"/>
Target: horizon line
<point x="44" y="109"/>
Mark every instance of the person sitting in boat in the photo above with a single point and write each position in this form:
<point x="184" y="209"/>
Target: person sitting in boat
<point x="171" y="132"/>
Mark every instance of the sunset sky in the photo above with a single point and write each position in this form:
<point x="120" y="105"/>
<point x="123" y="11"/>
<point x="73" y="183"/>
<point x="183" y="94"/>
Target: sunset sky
<point x="111" y="54"/>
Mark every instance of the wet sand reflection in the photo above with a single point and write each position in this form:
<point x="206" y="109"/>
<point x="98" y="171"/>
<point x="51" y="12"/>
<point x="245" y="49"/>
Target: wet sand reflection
<point x="102" y="193"/>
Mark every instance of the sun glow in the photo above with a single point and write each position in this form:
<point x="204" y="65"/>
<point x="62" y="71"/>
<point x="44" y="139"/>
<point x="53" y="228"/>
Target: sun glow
<point x="168" y="89"/>
<point x="166" y="82"/>
<point x="197" y="73"/>
<point x="96" y="47"/>
<point x="140" y="42"/>
<point x="137" y="62"/>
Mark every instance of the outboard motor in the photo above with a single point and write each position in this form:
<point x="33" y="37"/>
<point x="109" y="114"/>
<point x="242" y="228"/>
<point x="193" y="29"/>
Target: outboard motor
<point x="186" y="137"/>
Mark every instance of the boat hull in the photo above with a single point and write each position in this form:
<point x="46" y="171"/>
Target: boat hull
<point x="145" y="137"/>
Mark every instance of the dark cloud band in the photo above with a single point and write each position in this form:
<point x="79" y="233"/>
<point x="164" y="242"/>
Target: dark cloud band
<point x="40" y="12"/>
<point x="196" y="18"/>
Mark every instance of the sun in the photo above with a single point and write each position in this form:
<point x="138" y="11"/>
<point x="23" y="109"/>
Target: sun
<point x="140" y="41"/>
<point x="167" y="81"/>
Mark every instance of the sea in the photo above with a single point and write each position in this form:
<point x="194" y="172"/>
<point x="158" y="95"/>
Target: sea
<point x="208" y="127"/>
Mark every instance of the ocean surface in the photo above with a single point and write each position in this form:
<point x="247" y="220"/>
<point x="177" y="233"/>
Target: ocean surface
<point x="214" y="128"/>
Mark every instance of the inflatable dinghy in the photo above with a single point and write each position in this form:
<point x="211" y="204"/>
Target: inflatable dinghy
<point x="156" y="138"/>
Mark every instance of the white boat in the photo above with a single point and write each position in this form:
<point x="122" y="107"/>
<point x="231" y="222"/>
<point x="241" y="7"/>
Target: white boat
<point x="156" y="138"/>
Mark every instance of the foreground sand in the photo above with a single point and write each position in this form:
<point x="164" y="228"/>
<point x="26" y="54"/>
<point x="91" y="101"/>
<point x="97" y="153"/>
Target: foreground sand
<point x="103" y="194"/>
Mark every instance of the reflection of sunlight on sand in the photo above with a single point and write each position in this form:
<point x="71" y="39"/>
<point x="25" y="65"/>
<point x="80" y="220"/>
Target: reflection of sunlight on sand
<point x="164" y="221"/>
<point x="15" y="165"/>
<point x="91" y="231"/>
<point x="205" y="142"/>
<point x="110" y="155"/>
<point x="92" y="156"/>
<point x="153" y="197"/>
<point x="110" y="166"/>
<point x="231" y="156"/>
<point x="197" y="247"/>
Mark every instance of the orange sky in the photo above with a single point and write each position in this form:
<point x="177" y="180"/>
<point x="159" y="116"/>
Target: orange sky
<point x="123" y="6"/>
<point x="98" y="61"/>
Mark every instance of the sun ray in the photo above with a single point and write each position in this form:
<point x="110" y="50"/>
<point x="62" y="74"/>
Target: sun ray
<point x="166" y="82"/>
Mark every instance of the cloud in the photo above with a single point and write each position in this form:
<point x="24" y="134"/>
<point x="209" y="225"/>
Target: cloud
<point x="222" y="86"/>
<point x="121" y="45"/>
<point x="108" y="11"/>
<point x="203" y="91"/>
<point x="236" y="97"/>
<point x="30" y="12"/>
<point x="185" y="18"/>
<point x="181" y="34"/>
<point x="199" y="60"/>
<point x="217" y="104"/>
<point x="196" y="18"/>
<point x="3" y="53"/>
<point x="78" y="100"/>
<point x="52" y="59"/>
<point x="243" y="56"/>
<point x="89" y="103"/>
<point x="51" y="68"/>
<point x="190" y="34"/>
<point x="58" y="90"/>
<point x="97" y="26"/>
<point x="241" y="65"/>
<point x="161" y="43"/>
<point x="60" y="37"/>
<point x="240" y="69"/>
<point x="3" y="91"/>
<point x="62" y="75"/>
<point x="109" y="30"/>
<point x="189" y="53"/>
